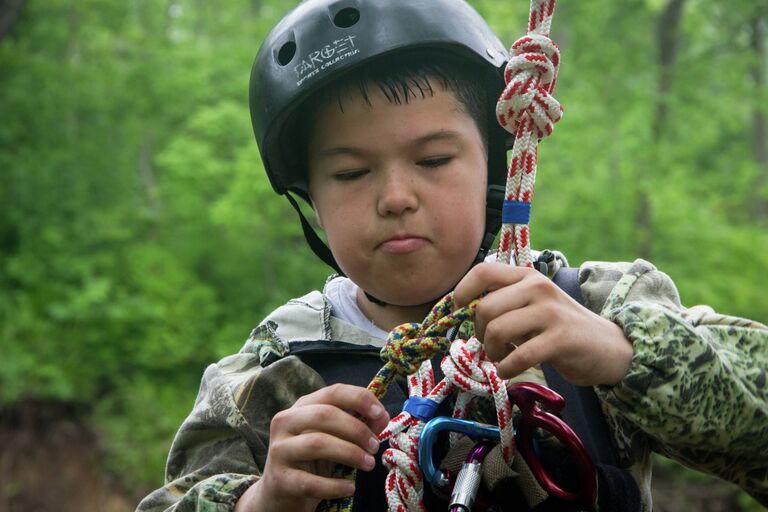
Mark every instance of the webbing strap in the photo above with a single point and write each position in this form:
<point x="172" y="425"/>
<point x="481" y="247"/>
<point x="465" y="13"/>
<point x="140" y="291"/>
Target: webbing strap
<point x="357" y="370"/>
<point x="315" y="242"/>
<point x="582" y="409"/>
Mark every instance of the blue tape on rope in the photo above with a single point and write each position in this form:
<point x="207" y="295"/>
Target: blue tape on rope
<point x="421" y="408"/>
<point x="516" y="212"/>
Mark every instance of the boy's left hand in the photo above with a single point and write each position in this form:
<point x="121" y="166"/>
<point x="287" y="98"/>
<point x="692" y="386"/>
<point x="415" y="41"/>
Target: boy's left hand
<point x="524" y="309"/>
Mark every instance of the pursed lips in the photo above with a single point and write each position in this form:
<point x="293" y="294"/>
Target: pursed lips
<point x="403" y="244"/>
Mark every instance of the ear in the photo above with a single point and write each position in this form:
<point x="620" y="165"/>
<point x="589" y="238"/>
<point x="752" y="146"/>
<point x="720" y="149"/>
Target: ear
<point x="318" y="220"/>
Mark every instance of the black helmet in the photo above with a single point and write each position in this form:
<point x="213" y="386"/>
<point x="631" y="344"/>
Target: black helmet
<point x="321" y="39"/>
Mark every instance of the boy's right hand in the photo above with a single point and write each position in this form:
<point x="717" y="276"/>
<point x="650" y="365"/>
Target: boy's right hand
<point x="336" y="424"/>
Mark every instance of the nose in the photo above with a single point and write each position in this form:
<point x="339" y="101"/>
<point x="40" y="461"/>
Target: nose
<point x="397" y="193"/>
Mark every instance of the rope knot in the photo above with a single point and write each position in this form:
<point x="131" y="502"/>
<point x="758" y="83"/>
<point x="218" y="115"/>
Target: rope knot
<point x="407" y="347"/>
<point x="468" y="368"/>
<point x="530" y="76"/>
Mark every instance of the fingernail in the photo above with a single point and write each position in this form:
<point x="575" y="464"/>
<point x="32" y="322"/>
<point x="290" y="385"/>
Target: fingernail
<point x="369" y="461"/>
<point x="376" y="411"/>
<point x="373" y="445"/>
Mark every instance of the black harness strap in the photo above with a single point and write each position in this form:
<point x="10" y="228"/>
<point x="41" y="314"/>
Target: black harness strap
<point x="582" y="409"/>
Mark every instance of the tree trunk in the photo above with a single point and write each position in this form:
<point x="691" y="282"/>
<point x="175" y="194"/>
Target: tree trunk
<point x="9" y="15"/>
<point x="147" y="175"/>
<point x="759" y="122"/>
<point x="667" y="33"/>
<point x="667" y="30"/>
<point x="72" y="58"/>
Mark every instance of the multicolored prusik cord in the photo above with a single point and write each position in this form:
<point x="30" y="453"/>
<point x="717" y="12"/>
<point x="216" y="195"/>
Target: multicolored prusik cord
<point x="526" y="109"/>
<point x="409" y="345"/>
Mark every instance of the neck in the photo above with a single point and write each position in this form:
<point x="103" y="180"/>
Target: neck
<point x="390" y="316"/>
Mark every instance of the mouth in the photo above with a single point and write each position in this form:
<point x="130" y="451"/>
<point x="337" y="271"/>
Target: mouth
<point x="403" y="244"/>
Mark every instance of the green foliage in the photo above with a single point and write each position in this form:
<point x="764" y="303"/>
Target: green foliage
<point x="140" y="240"/>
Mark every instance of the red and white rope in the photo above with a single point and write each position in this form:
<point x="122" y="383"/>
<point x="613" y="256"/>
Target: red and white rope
<point x="405" y="485"/>
<point x="470" y="371"/>
<point x="527" y="109"/>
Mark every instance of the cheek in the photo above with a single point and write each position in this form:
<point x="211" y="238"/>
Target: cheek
<point x="473" y="197"/>
<point x="326" y="204"/>
<point x="467" y="213"/>
<point x="341" y="222"/>
<point x="476" y="215"/>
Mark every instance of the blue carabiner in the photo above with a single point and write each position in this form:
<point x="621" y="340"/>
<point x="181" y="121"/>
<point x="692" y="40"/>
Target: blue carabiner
<point x="429" y="437"/>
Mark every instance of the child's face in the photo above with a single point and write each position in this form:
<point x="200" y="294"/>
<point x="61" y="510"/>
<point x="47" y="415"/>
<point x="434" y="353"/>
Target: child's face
<point x="400" y="192"/>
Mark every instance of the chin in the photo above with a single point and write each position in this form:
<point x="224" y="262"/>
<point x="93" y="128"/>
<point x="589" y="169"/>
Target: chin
<point x="408" y="287"/>
<point x="412" y="297"/>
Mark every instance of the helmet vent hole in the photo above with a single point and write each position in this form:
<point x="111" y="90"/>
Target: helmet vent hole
<point x="286" y="53"/>
<point x="346" y="17"/>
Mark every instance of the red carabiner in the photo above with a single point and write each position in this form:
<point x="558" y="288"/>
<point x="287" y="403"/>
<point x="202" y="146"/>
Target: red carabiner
<point x="527" y="396"/>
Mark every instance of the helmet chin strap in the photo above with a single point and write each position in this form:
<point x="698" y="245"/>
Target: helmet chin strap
<point x="376" y="301"/>
<point x="431" y="302"/>
<point x="493" y="210"/>
<point x="315" y="243"/>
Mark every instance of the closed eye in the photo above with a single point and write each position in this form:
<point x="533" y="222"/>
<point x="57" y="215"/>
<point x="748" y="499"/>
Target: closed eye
<point x="431" y="163"/>
<point x="350" y="175"/>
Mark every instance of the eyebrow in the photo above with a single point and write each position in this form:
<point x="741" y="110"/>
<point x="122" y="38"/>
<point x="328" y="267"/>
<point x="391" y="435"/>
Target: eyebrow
<point x="446" y="135"/>
<point x="341" y="150"/>
<point x="438" y="135"/>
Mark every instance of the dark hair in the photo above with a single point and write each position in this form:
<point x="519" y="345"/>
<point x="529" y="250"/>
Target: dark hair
<point x="400" y="77"/>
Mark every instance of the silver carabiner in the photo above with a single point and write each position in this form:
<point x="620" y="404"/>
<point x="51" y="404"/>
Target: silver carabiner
<point x="468" y="479"/>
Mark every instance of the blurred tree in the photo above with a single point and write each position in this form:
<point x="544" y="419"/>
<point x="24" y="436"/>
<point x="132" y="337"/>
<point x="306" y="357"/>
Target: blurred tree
<point x="140" y="240"/>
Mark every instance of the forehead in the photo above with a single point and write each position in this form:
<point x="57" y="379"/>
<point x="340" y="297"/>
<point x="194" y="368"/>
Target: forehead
<point x="372" y="116"/>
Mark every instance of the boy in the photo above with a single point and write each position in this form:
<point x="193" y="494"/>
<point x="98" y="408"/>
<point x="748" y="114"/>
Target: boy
<point x="380" y="113"/>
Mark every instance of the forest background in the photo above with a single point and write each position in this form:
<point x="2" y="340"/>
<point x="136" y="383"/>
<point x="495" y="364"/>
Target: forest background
<point x="140" y="240"/>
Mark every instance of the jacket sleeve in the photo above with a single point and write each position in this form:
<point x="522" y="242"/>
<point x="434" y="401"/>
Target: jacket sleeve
<point x="220" y="449"/>
<point x="696" y="389"/>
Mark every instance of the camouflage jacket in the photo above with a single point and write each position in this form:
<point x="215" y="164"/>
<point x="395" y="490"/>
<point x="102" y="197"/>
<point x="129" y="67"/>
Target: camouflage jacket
<point x="696" y="391"/>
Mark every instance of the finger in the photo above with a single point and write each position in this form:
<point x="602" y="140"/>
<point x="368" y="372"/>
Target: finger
<point x="351" y="398"/>
<point x="320" y="446"/>
<point x="527" y="355"/>
<point x="301" y="484"/>
<point x="509" y="331"/>
<point x="486" y="277"/>
<point x="497" y="303"/>
<point x="588" y="360"/>
<point x="325" y="418"/>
